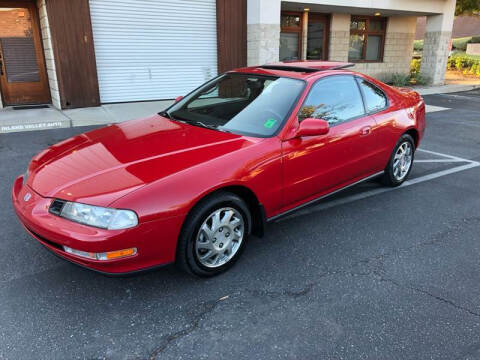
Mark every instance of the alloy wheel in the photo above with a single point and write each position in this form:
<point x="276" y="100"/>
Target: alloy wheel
<point x="402" y="161"/>
<point x="219" y="237"/>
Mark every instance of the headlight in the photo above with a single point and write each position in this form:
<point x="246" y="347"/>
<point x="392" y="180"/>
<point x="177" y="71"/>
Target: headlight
<point x="106" y="218"/>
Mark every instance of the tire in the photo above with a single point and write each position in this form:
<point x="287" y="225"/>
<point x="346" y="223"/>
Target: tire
<point x="394" y="175"/>
<point x="209" y="244"/>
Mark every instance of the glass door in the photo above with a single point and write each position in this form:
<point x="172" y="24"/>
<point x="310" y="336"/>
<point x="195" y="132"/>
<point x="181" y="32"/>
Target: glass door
<point x="22" y="69"/>
<point x="317" y="37"/>
<point x="290" y="36"/>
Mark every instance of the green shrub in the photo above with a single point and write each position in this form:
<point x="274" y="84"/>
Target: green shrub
<point x="421" y="80"/>
<point x="463" y="61"/>
<point x="461" y="43"/>
<point x="418" y="45"/>
<point x="451" y="63"/>
<point x="400" y="79"/>
<point x="467" y="64"/>
<point x="456" y="53"/>
<point x="412" y="78"/>
<point x="474" y="40"/>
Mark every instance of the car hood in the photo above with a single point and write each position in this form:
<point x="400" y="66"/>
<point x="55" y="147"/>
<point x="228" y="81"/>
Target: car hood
<point x="100" y="166"/>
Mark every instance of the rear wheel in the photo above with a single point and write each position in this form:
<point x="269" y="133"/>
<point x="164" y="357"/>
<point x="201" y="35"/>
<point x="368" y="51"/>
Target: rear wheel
<point x="401" y="161"/>
<point x="214" y="235"/>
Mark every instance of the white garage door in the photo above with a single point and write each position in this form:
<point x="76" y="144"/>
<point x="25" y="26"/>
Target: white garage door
<point x="150" y="49"/>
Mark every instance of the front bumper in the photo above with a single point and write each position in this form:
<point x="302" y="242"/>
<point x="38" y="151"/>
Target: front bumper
<point x="155" y="240"/>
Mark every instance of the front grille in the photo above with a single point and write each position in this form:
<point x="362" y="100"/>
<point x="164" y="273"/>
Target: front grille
<point x="56" y="207"/>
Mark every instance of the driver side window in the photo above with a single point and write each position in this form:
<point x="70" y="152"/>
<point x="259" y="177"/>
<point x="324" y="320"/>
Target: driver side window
<point x="335" y="99"/>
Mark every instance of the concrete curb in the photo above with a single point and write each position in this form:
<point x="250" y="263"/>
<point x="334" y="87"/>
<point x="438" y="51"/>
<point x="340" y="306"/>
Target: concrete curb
<point x="445" y="89"/>
<point x="51" y="118"/>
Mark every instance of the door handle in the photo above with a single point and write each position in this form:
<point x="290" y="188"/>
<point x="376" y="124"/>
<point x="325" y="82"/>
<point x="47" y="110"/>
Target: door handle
<point x="365" y="130"/>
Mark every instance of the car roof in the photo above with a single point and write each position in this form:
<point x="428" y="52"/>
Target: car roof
<point x="295" y="69"/>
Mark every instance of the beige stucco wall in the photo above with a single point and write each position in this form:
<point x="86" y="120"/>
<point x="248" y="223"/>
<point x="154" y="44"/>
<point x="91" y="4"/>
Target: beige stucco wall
<point x="473" y="49"/>
<point x="263" y="44"/>
<point x="339" y="37"/>
<point x="263" y="31"/>
<point x="436" y="44"/>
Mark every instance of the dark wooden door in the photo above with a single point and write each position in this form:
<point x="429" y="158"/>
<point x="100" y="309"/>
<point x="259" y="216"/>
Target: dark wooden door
<point x="72" y="41"/>
<point x="23" y="78"/>
<point x="231" y="34"/>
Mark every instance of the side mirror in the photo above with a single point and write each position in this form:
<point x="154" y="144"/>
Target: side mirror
<point x="178" y="98"/>
<point x="312" y="127"/>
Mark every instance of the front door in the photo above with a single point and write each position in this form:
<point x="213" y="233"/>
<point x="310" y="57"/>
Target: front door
<point x="317" y="165"/>
<point x="22" y="66"/>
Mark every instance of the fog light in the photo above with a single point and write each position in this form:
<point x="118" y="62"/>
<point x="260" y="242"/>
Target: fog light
<point x="111" y="255"/>
<point x="84" y="254"/>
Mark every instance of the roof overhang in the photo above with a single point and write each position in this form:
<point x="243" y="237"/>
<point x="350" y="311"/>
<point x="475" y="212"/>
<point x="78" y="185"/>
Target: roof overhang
<point x="368" y="7"/>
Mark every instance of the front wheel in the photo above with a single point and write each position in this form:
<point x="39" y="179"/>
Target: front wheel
<point x="214" y="235"/>
<point x="401" y="161"/>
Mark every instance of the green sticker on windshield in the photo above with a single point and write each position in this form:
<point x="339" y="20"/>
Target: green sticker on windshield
<point x="269" y="123"/>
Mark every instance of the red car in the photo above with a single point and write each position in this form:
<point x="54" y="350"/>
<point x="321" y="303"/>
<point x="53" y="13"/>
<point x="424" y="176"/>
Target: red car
<point x="190" y="184"/>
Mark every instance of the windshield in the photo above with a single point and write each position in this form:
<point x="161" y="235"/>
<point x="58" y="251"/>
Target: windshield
<point x="240" y="103"/>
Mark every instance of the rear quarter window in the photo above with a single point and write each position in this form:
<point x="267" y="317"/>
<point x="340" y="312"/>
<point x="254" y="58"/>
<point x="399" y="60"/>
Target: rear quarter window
<point x="375" y="98"/>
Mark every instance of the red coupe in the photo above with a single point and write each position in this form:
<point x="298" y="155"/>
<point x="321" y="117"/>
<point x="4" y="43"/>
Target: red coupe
<point x="190" y="184"/>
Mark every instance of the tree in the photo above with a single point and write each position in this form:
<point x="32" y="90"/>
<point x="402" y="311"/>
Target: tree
<point x="467" y="7"/>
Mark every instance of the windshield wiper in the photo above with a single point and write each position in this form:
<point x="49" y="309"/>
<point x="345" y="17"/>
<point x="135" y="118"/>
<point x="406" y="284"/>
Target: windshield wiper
<point x="213" y="127"/>
<point x="205" y="125"/>
<point x="192" y="122"/>
<point x="221" y="128"/>
<point x="176" y="118"/>
<point x="166" y="114"/>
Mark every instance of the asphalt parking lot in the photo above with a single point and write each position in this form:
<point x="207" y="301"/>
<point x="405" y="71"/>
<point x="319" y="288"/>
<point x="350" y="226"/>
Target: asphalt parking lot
<point x="372" y="273"/>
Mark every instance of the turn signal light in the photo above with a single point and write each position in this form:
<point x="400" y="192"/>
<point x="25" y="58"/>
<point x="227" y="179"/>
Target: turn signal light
<point x="117" y="254"/>
<point x="111" y="255"/>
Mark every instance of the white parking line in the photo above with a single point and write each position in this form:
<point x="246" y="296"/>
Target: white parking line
<point x="432" y="108"/>
<point x="463" y="97"/>
<point x="438" y="161"/>
<point x="444" y="155"/>
<point x="348" y="199"/>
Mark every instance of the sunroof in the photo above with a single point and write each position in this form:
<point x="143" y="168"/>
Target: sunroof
<point x="289" y="68"/>
<point x="308" y="69"/>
